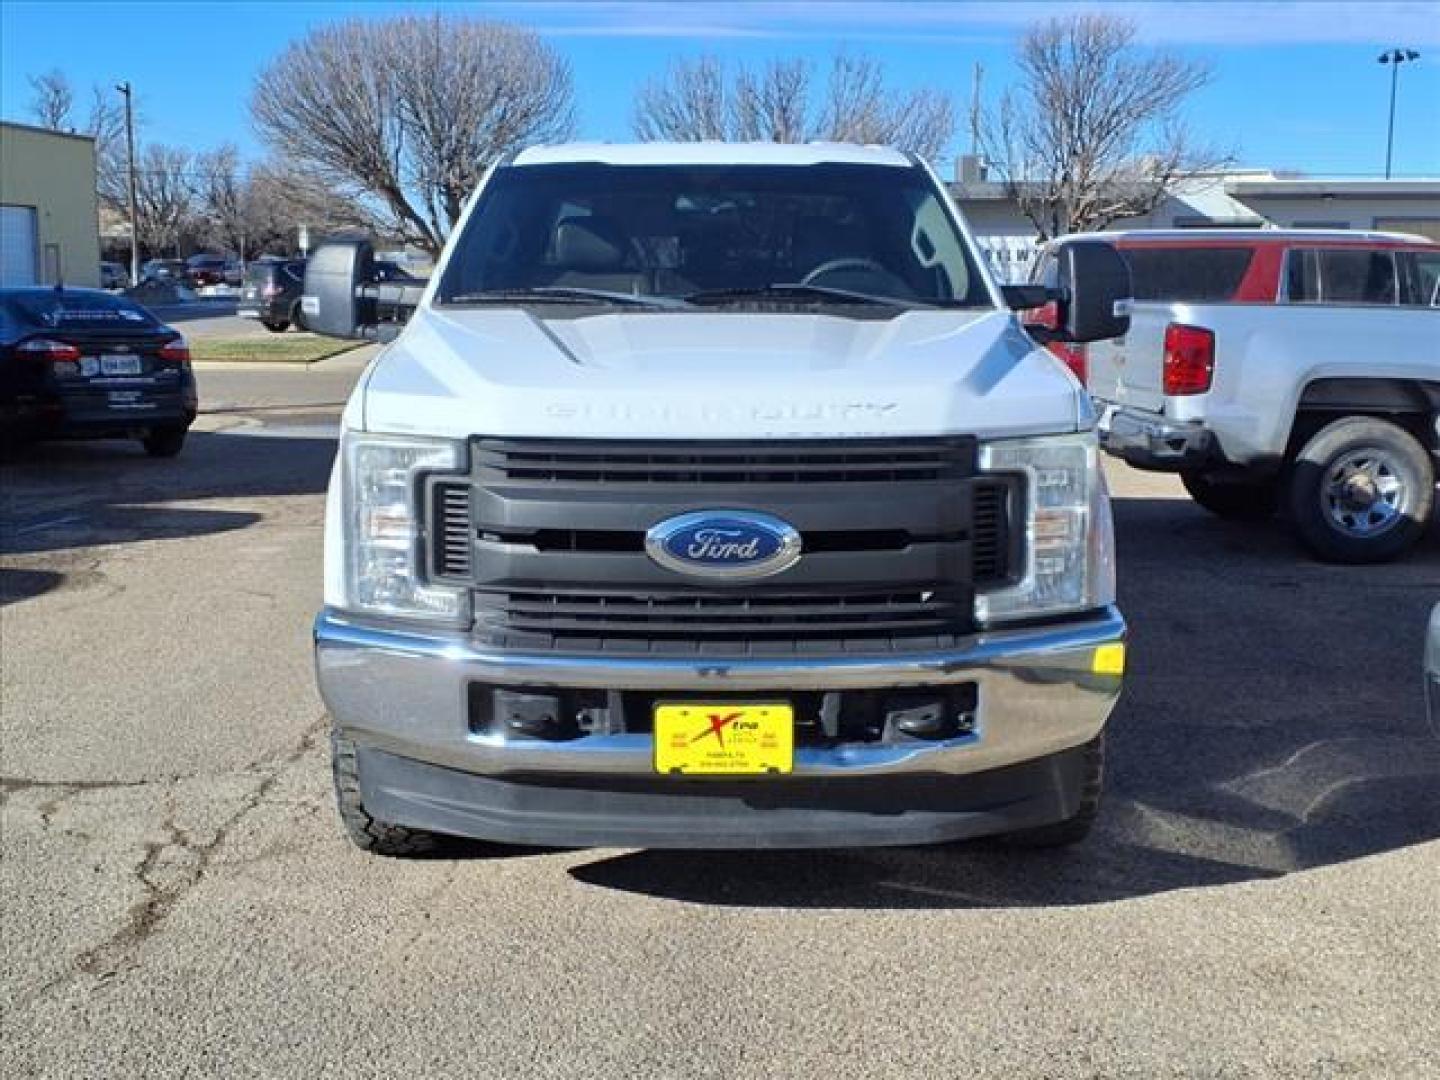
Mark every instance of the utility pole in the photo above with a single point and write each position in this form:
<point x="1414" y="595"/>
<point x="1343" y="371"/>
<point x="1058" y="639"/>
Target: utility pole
<point x="124" y="89"/>
<point x="1394" y="57"/>
<point x="975" y="110"/>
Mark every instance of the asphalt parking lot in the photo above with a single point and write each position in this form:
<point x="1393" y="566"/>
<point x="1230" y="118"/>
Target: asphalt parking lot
<point x="1259" y="900"/>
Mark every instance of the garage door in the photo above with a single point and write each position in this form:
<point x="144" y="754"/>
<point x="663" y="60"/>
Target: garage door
<point x="19" y="264"/>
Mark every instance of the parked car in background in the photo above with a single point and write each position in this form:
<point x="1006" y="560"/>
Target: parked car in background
<point x="166" y="271"/>
<point x="114" y="276"/>
<point x="1295" y="369"/>
<point x="204" y="270"/>
<point x="87" y="364"/>
<point x="271" y="293"/>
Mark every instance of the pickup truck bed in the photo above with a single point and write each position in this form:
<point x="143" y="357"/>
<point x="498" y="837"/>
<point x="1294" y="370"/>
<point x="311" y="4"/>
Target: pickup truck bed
<point x="1230" y="395"/>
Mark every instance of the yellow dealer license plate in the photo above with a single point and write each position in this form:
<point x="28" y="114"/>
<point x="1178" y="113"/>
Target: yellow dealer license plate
<point x="696" y="739"/>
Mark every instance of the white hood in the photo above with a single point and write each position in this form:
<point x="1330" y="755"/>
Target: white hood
<point x="731" y="374"/>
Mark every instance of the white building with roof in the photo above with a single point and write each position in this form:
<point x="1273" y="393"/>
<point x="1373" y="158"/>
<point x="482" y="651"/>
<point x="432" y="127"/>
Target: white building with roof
<point x="1236" y="199"/>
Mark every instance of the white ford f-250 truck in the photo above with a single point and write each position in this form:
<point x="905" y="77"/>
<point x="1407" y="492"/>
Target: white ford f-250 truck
<point x="713" y="496"/>
<point x="1294" y="369"/>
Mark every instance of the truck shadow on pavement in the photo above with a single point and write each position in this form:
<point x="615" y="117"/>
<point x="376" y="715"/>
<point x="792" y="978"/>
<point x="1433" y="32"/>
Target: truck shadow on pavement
<point x="65" y="495"/>
<point x="1273" y="721"/>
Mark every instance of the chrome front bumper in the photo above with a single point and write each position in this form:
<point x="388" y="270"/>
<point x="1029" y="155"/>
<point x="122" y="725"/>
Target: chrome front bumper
<point x="1149" y="441"/>
<point x="403" y="693"/>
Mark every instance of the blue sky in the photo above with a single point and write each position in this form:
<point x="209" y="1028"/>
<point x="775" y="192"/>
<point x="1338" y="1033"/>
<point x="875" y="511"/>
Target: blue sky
<point x="1297" y="85"/>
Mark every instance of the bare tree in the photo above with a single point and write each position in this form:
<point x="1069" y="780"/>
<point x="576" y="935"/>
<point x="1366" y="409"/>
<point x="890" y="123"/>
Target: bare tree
<point x="770" y="104"/>
<point x="783" y="101"/>
<point x="106" y="122"/>
<point x="107" y="126"/>
<point x="690" y="102"/>
<point x="53" y="100"/>
<point x="222" y="197"/>
<point x="861" y="107"/>
<point x="1093" y="130"/>
<point x="405" y="115"/>
<point x="166" y="196"/>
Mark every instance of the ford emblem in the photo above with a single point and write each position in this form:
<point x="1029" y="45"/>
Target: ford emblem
<point x="734" y="544"/>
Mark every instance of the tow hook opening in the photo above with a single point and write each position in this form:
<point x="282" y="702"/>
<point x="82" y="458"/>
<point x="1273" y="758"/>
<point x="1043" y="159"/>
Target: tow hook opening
<point x="822" y="717"/>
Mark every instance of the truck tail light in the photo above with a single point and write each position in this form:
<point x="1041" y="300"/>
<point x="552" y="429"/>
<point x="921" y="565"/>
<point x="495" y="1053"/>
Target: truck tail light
<point x="176" y="351"/>
<point x="1189" y="360"/>
<point x="1072" y="356"/>
<point x="57" y="352"/>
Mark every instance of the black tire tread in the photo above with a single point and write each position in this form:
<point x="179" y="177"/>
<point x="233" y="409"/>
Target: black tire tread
<point x="366" y="831"/>
<point x="1233" y="500"/>
<point x="1077" y="827"/>
<point x="1309" y="469"/>
<point x="164" y="442"/>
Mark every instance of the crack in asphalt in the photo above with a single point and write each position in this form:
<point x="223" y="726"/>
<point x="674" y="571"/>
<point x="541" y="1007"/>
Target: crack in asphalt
<point x="146" y="917"/>
<point x="11" y="785"/>
<point x="65" y="789"/>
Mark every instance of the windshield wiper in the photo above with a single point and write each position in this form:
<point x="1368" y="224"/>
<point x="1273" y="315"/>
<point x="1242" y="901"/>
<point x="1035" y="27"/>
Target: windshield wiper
<point x="561" y="294"/>
<point x="799" y="291"/>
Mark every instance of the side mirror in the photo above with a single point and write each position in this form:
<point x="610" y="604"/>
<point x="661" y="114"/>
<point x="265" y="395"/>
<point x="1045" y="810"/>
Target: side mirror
<point x="343" y="299"/>
<point x="1095" y="291"/>
<point x="332" y="303"/>
<point x="1039" y="309"/>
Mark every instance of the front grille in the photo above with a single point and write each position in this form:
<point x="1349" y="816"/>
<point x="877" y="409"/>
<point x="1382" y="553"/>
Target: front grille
<point x="989" y="541"/>
<point x="667" y="619"/>
<point x="549" y="536"/>
<point x="584" y="461"/>
<point x="451" y="533"/>
<point x="613" y="540"/>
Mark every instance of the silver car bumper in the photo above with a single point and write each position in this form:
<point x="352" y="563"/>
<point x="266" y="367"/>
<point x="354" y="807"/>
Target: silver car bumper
<point x="1042" y="694"/>
<point x="405" y="693"/>
<point x="1149" y="441"/>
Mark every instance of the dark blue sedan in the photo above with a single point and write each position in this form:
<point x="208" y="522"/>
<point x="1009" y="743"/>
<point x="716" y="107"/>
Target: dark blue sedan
<point x="85" y="364"/>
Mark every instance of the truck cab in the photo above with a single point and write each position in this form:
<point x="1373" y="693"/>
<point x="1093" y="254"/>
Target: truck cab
<point x="713" y="496"/>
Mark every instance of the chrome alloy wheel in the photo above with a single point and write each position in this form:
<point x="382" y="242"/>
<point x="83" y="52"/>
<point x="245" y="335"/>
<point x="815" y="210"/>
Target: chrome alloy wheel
<point x="1364" y="492"/>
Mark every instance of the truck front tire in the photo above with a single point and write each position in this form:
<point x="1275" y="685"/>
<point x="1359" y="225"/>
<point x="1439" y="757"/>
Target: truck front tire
<point x="366" y="831"/>
<point x="1361" y="491"/>
<point x="1234" y="500"/>
<point x="1076" y="827"/>
<point x="164" y="442"/>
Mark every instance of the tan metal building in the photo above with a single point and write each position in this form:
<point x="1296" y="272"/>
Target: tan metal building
<point x="49" y="219"/>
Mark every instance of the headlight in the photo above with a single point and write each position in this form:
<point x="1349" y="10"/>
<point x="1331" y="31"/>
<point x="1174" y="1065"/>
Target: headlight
<point x="383" y="559"/>
<point x="1069" y="539"/>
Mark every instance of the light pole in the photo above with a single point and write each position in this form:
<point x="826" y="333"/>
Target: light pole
<point x="124" y="89"/>
<point x="1394" y="57"/>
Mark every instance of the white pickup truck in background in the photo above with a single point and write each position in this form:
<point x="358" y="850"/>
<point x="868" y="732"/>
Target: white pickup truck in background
<point x="1294" y="370"/>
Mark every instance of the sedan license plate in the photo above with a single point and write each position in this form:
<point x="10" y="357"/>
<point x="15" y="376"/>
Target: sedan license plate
<point x="119" y="365"/>
<point x="725" y="739"/>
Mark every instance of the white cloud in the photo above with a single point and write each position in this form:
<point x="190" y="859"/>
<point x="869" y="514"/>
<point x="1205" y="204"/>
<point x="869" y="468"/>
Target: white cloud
<point x="1220" y="22"/>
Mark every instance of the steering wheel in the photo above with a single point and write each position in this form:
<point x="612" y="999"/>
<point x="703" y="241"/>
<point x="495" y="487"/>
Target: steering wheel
<point x="847" y="263"/>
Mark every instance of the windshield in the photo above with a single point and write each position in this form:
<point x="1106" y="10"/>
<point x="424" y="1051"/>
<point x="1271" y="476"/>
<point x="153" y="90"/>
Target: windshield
<point x="676" y="232"/>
